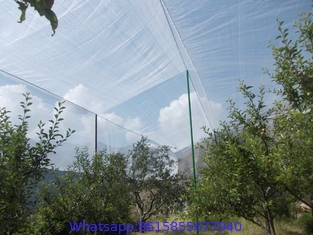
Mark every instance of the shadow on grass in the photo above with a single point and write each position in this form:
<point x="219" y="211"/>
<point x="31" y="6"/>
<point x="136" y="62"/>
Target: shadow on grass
<point x="293" y="233"/>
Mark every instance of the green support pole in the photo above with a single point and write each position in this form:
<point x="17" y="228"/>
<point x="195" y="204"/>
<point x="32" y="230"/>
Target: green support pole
<point x="191" y="138"/>
<point x="96" y="133"/>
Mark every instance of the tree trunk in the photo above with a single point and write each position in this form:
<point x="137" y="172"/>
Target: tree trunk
<point x="273" y="232"/>
<point x="271" y="221"/>
<point x="267" y="223"/>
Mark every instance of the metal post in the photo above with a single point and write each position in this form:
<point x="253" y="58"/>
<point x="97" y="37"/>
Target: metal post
<point x="96" y="133"/>
<point x="191" y="138"/>
<point x="191" y="134"/>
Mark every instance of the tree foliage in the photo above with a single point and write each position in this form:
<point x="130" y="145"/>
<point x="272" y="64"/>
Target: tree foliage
<point x="294" y="121"/>
<point x="105" y="187"/>
<point x="92" y="190"/>
<point x="240" y="177"/>
<point x="262" y="159"/>
<point x="153" y="183"/>
<point x="43" y="7"/>
<point x="23" y="165"/>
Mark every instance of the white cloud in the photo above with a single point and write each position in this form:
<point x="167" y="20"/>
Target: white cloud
<point x="175" y="115"/>
<point x="132" y="137"/>
<point x="10" y="98"/>
<point x="80" y="95"/>
<point x="174" y="120"/>
<point x="216" y="114"/>
<point x="134" y="125"/>
<point x="112" y="117"/>
<point x="109" y="124"/>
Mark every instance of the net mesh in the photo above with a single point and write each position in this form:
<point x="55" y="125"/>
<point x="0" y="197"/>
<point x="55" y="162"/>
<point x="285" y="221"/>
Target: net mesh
<point x="126" y="61"/>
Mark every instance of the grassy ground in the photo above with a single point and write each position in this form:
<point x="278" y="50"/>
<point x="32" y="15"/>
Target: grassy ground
<point x="282" y="228"/>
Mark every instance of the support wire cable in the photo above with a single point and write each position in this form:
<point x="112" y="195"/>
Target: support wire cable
<point x="171" y="23"/>
<point x="60" y="98"/>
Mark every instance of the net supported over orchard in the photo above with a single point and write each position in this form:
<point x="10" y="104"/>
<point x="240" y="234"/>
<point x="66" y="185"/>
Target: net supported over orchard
<point x="126" y="61"/>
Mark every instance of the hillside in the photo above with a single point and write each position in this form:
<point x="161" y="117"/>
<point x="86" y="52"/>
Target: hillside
<point x="185" y="160"/>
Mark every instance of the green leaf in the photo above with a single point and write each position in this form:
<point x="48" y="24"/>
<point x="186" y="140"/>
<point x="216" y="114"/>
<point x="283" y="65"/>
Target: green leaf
<point x="23" y="7"/>
<point x="51" y="16"/>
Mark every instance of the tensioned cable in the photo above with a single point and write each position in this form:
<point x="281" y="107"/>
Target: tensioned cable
<point x="60" y="98"/>
<point x="168" y="15"/>
<point x="165" y="8"/>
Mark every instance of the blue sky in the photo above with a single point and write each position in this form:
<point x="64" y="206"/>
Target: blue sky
<point x="127" y="60"/>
